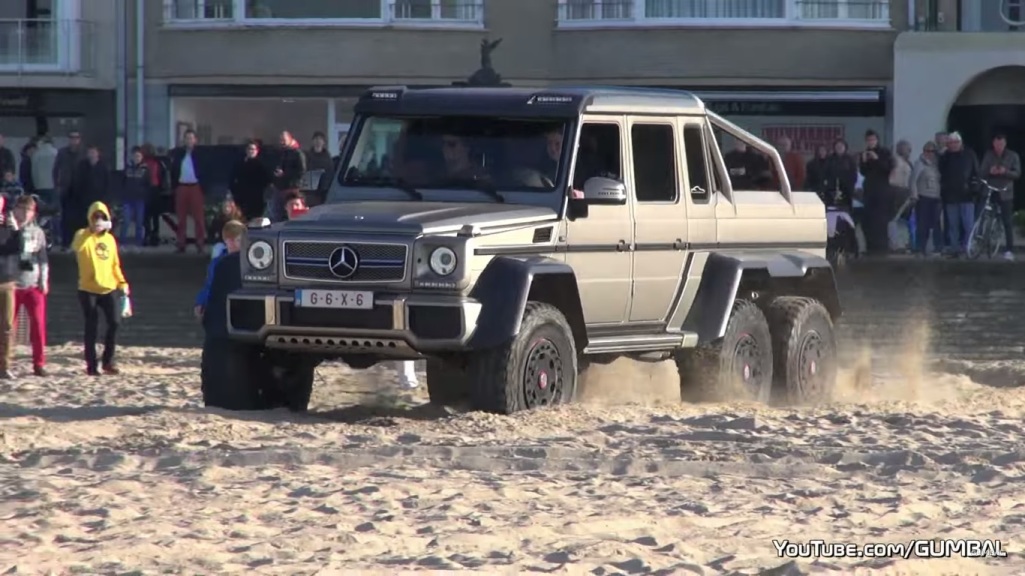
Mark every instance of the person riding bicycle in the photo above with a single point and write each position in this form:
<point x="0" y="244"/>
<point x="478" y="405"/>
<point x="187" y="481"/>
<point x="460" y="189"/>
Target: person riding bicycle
<point x="1000" y="167"/>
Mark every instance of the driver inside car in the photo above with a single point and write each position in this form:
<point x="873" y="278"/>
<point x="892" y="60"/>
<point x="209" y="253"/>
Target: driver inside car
<point x="459" y="164"/>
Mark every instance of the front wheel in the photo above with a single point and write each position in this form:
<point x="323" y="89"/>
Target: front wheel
<point x="536" y="368"/>
<point x="979" y="239"/>
<point x="289" y="382"/>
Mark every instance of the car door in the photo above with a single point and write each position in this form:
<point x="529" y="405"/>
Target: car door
<point x="660" y="217"/>
<point x="598" y="245"/>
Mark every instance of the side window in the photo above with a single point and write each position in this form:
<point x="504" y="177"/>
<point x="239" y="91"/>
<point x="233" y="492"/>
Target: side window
<point x="600" y="153"/>
<point x="654" y="161"/>
<point x="697" y="166"/>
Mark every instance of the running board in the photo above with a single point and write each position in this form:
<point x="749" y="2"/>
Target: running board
<point x="640" y="343"/>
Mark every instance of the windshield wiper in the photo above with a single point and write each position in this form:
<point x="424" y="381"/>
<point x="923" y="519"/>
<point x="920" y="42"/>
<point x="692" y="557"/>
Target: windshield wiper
<point x="486" y="186"/>
<point x="408" y="188"/>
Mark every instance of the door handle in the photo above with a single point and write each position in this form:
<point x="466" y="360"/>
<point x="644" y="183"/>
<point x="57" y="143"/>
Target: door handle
<point x="621" y="247"/>
<point x="678" y="244"/>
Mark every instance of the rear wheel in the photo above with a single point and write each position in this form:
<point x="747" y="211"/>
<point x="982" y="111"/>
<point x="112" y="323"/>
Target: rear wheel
<point x="804" y="345"/>
<point x="737" y="366"/>
<point x="996" y="237"/>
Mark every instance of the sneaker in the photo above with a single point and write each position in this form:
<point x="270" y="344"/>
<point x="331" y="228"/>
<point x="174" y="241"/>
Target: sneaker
<point x="111" y="370"/>
<point x="39" y="371"/>
<point x="92" y="372"/>
<point x="408" y="383"/>
<point x="7" y="375"/>
<point x="1009" y="256"/>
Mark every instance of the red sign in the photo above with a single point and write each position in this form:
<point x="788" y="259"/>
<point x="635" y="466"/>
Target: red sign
<point x="806" y="138"/>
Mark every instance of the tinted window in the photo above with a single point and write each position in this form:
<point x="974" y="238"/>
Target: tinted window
<point x="697" y="168"/>
<point x="600" y="154"/>
<point x="654" y="160"/>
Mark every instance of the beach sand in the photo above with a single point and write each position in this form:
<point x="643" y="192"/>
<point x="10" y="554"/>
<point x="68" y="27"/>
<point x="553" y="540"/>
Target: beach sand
<point x="131" y="475"/>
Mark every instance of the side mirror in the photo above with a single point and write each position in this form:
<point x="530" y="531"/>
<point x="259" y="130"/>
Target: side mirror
<point x="600" y="191"/>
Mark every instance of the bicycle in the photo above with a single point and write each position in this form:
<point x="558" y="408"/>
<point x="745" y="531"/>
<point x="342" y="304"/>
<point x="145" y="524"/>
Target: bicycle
<point x="987" y="235"/>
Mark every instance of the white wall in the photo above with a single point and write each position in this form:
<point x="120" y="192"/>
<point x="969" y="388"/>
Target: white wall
<point x="932" y="68"/>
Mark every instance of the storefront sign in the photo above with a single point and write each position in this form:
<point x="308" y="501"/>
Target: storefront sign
<point x="805" y="137"/>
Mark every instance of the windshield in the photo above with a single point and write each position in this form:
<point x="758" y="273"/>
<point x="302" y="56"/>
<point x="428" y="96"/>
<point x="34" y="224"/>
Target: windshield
<point x="492" y="155"/>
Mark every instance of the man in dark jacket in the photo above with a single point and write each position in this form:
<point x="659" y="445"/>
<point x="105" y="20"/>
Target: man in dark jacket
<point x="249" y="182"/>
<point x="187" y="178"/>
<point x="288" y="173"/>
<point x="875" y="165"/>
<point x="10" y="270"/>
<point x="747" y="168"/>
<point x="7" y="160"/>
<point x="958" y="167"/>
<point x="68" y="159"/>
<point x="1001" y="168"/>
<point x="214" y="365"/>
<point x="90" y="183"/>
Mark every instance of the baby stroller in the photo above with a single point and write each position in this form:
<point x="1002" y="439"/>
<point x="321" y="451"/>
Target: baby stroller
<point x="842" y="234"/>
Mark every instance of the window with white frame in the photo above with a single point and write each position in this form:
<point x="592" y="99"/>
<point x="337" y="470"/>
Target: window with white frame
<point x="652" y="11"/>
<point x="305" y="11"/>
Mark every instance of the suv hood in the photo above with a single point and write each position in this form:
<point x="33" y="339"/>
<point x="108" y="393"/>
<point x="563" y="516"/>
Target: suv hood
<point x="414" y="218"/>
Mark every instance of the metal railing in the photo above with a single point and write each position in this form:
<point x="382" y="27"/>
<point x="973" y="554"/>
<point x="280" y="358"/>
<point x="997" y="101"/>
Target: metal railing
<point x="47" y="46"/>
<point x="241" y="12"/>
<point x="437" y="11"/>
<point x="777" y="10"/>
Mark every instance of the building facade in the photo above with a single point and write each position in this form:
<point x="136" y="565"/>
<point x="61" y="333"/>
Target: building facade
<point x="234" y="69"/>
<point x="962" y="68"/>
<point x="58" y="70"/>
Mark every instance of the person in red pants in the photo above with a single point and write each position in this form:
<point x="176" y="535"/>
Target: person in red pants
<point x="186" y="174"/>
<point x="33" y="283"/>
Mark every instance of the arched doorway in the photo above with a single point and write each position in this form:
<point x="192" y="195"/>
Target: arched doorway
<point x="992" y="102"/>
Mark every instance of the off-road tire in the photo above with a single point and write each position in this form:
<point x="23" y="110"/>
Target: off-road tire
<point x="804" y="344"/>
<point x="447" y="384"/>
<point x="499" y="376"/>
<point x="711" y="373"/>
<point x="289" y="382"/>
<point x="236" y="377"/>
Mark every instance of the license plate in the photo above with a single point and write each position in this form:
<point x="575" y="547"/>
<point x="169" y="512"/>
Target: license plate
<point x="346" y="299"/>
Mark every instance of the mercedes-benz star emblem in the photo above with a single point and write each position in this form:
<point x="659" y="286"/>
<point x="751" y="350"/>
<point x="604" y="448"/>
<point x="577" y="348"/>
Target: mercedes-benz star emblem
<point x="343" y="262"/>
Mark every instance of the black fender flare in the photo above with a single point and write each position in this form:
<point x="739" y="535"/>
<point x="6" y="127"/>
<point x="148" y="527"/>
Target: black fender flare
<point x="505" y="286"/>
<point x="724" y="272"/>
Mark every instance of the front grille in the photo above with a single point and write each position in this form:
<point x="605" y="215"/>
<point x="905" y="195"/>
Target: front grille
<point x="377" y="262"/>
<point x="377" y="318"/>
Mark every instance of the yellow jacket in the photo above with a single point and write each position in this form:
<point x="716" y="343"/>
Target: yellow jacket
<point x="99" y="266"/>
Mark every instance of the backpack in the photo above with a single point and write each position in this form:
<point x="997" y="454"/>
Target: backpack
<point x="164" y="171"/>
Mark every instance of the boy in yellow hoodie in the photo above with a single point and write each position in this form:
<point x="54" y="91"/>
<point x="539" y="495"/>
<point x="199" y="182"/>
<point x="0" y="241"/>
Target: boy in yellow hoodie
<point x="101" y="286"/>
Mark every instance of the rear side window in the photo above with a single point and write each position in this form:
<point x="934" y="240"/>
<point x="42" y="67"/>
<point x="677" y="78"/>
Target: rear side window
<point x="654" y="161"/>
<point x="697" y="167"/>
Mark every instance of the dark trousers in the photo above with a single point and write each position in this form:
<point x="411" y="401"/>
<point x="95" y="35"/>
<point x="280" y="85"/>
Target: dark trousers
<point x="927" y="221"/>
<point x="156" y="207"/>
<point x="92" y="306"/>
<point x="1006" y="210"/>
<point x="70" y="221"/>
<point x="878" y="213"/>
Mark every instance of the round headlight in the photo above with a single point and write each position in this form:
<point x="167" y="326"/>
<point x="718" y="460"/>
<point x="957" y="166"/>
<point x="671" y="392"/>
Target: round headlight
<point x="260" y="255"/>
<point x="443" y="261"/>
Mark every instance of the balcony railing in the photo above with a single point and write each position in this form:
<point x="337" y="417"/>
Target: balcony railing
<point x="875" y="13"/>
<point x="192" y="13"/>
<point x="47" y="46"/>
